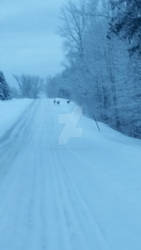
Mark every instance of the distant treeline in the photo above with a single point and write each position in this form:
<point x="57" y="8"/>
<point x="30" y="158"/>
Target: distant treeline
<point x="26" y="86"/>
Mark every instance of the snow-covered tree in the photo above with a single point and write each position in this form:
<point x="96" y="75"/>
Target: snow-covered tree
<point x="100" y="75"/>
<point x="4" y="88"/>
<point x="126" y="22"/>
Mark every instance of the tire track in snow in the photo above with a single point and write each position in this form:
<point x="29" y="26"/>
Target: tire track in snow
<point x="16" y="143"/>
<point x="57" y="221"/>
<point x="81" y="205"/>
<point x="13" y="133"/>
<point x="19" y="195"/>
<point x="7" y="135"/>
<point x="9" y="169"/>
<point x="72" y="223"/>
<point x="36" y="214"/>
<point x="77" y="239"/>
<point x="52" y="213"/>
<point x="74" y="206"/>
<point x="15" y="194"/>
<point x="62" y="234"/>
<point x="28" y="206"/>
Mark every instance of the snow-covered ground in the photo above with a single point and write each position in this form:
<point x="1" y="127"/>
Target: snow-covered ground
<point x="10" y="111"/>
<point x="63" y="184"/>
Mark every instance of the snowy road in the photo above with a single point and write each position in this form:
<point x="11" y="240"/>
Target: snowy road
<point x="84" y="195"/>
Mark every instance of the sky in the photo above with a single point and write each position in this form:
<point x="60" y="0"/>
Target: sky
<point x="30" y="42"/>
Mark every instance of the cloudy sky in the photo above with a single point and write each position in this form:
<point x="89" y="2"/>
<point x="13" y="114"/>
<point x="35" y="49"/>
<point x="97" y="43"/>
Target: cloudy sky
<point x="29" y="42"/>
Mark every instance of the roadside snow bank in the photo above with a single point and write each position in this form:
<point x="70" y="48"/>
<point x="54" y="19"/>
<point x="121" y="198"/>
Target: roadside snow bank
<point x="10" y="111"/>
<point x="90" y="132"/>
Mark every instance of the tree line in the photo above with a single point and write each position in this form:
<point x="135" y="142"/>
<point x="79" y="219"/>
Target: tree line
<point x="102" y="69"/>
<point x="28" y="86"/>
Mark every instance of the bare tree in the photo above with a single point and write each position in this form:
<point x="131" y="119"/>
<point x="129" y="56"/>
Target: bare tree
<point x="74" y="25"/>
<point x="29" y="86"/>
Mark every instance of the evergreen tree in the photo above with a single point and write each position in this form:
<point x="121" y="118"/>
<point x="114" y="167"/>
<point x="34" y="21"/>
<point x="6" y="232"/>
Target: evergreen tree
<point x="126" y="22"/>
<point x="4" y="88"/>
